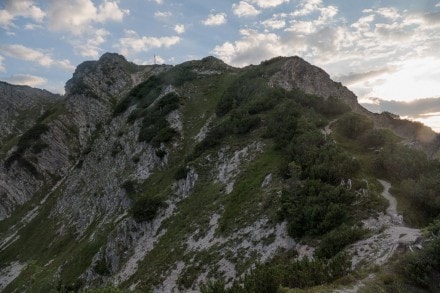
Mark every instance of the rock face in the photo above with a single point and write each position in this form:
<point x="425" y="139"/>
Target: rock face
<point x="69" y="128"/>
<point x="20" y="106"/>
<point x="124" y="198"/>
<point x="296" y="73"/>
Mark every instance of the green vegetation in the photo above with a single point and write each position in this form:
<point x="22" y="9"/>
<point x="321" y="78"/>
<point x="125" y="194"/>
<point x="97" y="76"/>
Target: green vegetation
<point x="146" y="208"/>
<point x="334" y="241"/>
<point x="422" y="268"/>
<point x="316" y="208"/>
<point x="271" y="277"/>
<point x="306" y="167"/>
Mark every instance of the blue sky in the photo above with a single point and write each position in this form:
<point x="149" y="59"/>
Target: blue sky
<point x="387" y="52"/>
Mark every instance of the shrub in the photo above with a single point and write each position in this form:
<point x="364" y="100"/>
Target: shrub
<point x="422" y="268"/>
<point x="160" y="153"/>
<point x="315" y="208"/>
<point x="146" y="208"/>
<point x="337" y="239"/>
<point x="353" y="125"/>
<point x="102" y="268"/>
<point x="31" y="136"/>
<point x="181" y="173"/>
<point x="129" y="186"/>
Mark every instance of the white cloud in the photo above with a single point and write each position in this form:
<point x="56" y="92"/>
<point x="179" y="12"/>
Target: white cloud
<point x="215" y="19"/>
<point x="29" y="54"/>
<point x="252" y="47"/>
<point x="26" y="79"/>
<point x="307" y="7"/>
<point x="78" y="16"/>
<point x="364" y="23"/>
<point x="269" y="3"/>
<point x="163" y="15"/>
<point x="274" y="23"/>
<point x="159" y="1"/>
<point x="389" y="12"/>
<point x="110" y="11"/>
<point x="19" y="8"/>
<point x="32" y="26"/>
<point x="243" y="9"/>
<point x="6" y="19"/>
<point x="179" y="28"/>
<point x="133" y="43"/>
<point x="2" y="66"/>
<point x="91" y="47"/>
<point x="437" y="5"/>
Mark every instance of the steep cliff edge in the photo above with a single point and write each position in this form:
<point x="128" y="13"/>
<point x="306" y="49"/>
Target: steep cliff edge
<point x="45" y="152"/>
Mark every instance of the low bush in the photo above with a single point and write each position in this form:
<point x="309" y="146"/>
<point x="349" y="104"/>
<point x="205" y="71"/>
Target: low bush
<point x="337" y="239"/>
<point x="146" y="208"/>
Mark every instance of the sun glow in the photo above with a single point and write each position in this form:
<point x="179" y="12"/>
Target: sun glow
<point x="415" y="79"/>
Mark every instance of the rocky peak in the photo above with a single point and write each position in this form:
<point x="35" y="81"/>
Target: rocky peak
<point x="104" y="79"/>
<point x="296" y="73"/>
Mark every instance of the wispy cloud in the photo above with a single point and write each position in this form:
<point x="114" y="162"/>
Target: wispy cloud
<point x="274" y="23"/>
<point x="243" y="9"/>
<point x="2" y="66"/>
<point x="34" y="55"/>
<point x="26" y="79"/>
<point x="20" y="8"/>
<point x="269" y="3"/>
<point x="133" y="43"/>
<point x="90" y="48"/>
<point x="354" y="78"/>
<point x="163" y="15"/>
<point x="78" y="16"/>
<point x="215" y="19"/>
<point x="414" y="109"/>
<point x="179" y="28"/>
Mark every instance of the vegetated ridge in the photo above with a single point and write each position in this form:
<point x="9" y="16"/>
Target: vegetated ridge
<point x="205" y="177"/>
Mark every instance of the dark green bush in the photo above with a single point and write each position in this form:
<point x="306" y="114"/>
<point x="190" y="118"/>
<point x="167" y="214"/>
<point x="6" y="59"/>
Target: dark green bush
<point x="129" y="186"/>
<point x="160" y="153"/>
<point x="337" y="239"/>
<point x="315" y="208"/>
<point x="181" y="173"/>
<point x="353" y="125"/>
<point x="282" y="123"/>
<point x="422" y="268"/>
<point x="146" y="208"/>
<point x="102" y="268"/>
<point x="31" y="136"/>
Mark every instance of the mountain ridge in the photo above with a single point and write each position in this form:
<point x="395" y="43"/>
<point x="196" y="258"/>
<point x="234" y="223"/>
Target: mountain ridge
<point x="162" y="177"/>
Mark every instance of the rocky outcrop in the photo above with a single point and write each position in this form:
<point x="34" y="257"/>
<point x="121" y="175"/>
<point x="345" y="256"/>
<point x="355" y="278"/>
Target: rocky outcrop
<point x="92" y="92"/>
<point x="296" y="73"/>
<point x="20" y="106"/>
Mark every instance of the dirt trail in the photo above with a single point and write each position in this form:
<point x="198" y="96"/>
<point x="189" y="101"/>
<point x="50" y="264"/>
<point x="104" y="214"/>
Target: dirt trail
<point x="380" y="247"/>
<point x="392" y="208"/>
<point x="327" y="129"/>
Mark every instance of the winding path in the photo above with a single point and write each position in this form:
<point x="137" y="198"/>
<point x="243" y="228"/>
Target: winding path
<point x="378" y="248"/>
<point x="392" y="208"/>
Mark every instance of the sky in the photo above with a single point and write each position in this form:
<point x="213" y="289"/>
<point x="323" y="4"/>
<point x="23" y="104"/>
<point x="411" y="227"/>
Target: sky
<point x="386" y="51"/>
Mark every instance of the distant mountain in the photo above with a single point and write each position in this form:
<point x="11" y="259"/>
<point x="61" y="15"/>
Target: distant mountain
<point x="196" y="176"/>
<point x="20" y="106"/>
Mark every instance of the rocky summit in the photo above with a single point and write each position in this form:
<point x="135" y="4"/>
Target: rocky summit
<point x="206" y="177"/>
